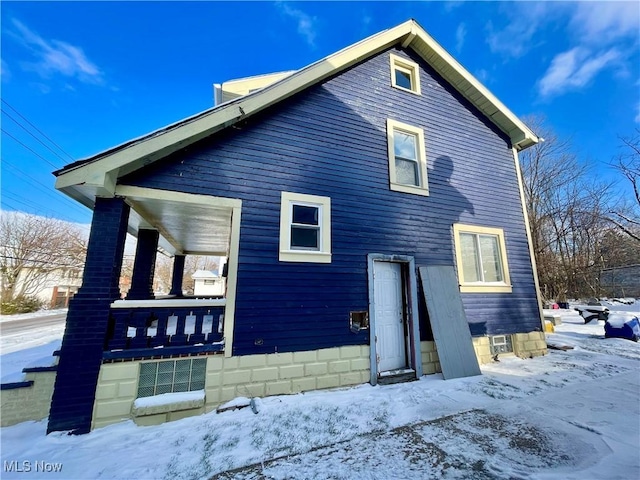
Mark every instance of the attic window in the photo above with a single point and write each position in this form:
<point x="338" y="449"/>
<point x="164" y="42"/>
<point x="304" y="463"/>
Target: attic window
<point x="405" y="74"/>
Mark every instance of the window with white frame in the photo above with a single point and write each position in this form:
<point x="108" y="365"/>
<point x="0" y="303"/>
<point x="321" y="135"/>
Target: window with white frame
<point x="405" y="74"/>
<point x="481" y="258"/>
<point x="500" y="344"/>
<point x="305" y="228"/>
<point x="407" y="159"/>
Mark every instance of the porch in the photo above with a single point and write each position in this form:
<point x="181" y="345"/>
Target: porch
<point x="164" y="327"/>
<point x="105" y="325"/>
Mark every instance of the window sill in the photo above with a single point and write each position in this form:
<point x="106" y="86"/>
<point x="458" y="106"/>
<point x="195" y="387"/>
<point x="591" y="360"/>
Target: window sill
<point x="396" y="187"/>
<point x="168" y="402"/>
<point x="407" y="90"/>
<point x="485" y="288"/>
<point x="304" y="256"/>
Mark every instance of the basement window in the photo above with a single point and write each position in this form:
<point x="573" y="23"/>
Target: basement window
<point x="171" y="376"/>
<point x="500" y="344"/>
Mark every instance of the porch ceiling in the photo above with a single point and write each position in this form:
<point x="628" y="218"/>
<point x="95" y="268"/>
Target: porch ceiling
<point x="185" y="228"/>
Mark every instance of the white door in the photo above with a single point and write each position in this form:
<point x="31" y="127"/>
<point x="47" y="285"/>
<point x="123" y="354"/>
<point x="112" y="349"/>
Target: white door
<point x="387" y="293"/>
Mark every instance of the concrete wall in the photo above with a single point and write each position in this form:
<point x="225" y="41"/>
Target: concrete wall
<point x="228" y="378"/>
<point x="270" y="374"/>
<point x="27" y="403"/>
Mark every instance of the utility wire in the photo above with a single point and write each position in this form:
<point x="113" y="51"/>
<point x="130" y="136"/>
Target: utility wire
<point x="28" y="148"/>
<point x="9" y="198"/>
<point x="36" y="138"/>
<point x="37" y="129"/>
<point x="46" y="189"/>
<point x="45" y="262"/>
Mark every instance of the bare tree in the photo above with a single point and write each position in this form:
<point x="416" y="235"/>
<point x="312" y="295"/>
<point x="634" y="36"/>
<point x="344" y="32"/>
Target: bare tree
<point x="565" y="208"/>
<point x="32" y="248"/>
<point x="627" y="215"/>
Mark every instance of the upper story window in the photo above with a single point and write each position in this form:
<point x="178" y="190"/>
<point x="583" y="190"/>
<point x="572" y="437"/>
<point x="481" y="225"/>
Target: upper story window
<point x="407" y="160"/>
<point x="305" y="228"/>
<point x="481" y="257"/>
<point x="405" y="74"/>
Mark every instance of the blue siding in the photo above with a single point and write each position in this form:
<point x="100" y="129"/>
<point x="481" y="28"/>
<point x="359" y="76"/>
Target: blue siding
<point x="331" y="140"/>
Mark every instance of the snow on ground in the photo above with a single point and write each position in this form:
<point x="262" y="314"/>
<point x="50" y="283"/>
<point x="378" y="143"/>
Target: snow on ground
<point x="572" y="414"/>
<point x="39" y="313"/>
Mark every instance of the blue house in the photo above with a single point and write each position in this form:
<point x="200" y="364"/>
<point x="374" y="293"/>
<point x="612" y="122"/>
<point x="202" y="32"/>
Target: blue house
<point x="331" y="190"/>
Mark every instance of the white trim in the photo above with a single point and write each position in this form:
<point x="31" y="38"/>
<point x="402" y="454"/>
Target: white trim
<point x="232" y="281"/>
<point x="482" y="287"/>
<point x="170" y="302"/>
<point x="83" y="180"/>
<point x="423" y="188"/>
<point x="286" y="253"/>
<point x="405" y="65"/>
<point x="172" y="196"/>
<point x="527" y="225"/>
<point x="414" y="353"/>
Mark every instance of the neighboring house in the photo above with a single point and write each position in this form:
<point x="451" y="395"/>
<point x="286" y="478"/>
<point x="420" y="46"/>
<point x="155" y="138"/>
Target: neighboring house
<point x="335" y="192"/>
<point x="53" y="288"/>
<point x="207" y="283"/>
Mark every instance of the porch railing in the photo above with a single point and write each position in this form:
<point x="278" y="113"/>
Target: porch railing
<point x="142" y="328"/>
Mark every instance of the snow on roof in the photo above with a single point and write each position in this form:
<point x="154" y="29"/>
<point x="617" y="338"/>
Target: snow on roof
<point x="204" y="274"/>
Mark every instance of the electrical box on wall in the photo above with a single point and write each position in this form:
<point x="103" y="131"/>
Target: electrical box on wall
<point x="358" y="321"/>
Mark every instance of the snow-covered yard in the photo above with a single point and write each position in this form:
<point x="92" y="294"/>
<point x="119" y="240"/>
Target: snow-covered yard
<point x="572" y="414"/>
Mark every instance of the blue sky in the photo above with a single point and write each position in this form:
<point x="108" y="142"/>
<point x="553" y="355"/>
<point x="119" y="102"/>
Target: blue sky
<point x="91" y="75"/>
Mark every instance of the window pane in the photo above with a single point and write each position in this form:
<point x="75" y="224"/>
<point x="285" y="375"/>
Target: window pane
<point x="403" y="79"/>
<point x="164" y="367"/>
<point x="305" y="215"/>
<point x="490" y="252"/>
<point x="407" y="172"/>
<point x="470" y="260"/>
<point x="304" y="238"/>
<point x="404" y="145"/>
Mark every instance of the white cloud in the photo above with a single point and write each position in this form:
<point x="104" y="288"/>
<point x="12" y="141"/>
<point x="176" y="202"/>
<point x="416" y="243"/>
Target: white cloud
<point x="450" y="6"/>
<point x="461" y="33"/>
<point x="306" y="23"/>
<point x="605" y="22"/>
<point x="574" y="69"/>
<point x="517" y="37"/>
<point x="5" y="73"/>
<point x="601" y="36"/>
<point x="56" y="57"/>
<point x="482" y="75"/>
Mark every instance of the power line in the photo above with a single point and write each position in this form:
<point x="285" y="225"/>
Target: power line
<point x="37" y="129"/>
<point x="8" y="198"/>
<point x="36" y="138"/>
<point x="28" y="148"/>
<point x="45" y="262"/>
<point x="46" y="189"/>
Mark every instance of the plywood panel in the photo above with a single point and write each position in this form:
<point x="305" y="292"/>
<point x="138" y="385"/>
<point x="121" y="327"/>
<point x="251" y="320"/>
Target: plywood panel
<point x="448" y="322"/>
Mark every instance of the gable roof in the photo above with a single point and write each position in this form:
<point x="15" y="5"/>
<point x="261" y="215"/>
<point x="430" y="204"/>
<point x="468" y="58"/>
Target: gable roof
<point x="97" y="175"/>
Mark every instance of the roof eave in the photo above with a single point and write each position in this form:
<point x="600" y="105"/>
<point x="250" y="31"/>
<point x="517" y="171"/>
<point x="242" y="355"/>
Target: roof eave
<point x="104" y="169"/>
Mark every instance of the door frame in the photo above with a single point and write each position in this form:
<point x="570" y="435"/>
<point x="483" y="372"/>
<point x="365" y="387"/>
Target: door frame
<point x="410" y="285"/>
